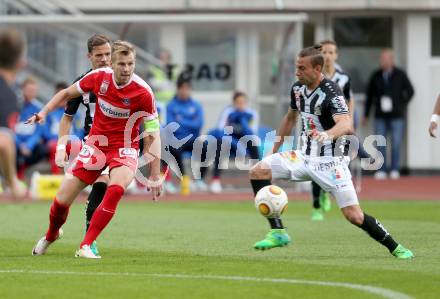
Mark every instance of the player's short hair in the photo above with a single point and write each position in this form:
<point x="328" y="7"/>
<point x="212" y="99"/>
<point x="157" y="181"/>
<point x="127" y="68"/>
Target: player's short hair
<point x="12" y="46"/>
<point x="328" y="42"/>
<point x="314" y="53"/>
<point x="238" y="94"/>
<point x="97" y="40"/>
<point x="29" y="80"/>
<point x="122" y="47"/>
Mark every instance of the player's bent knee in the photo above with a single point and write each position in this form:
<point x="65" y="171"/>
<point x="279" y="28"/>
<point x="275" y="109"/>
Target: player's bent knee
<point x="260" y="171"/>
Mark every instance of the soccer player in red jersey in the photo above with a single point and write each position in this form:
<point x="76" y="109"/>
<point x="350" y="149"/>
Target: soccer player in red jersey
<point x="124" y="100"/>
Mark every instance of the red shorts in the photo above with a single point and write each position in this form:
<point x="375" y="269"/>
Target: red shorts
<point x="91" y="161"/>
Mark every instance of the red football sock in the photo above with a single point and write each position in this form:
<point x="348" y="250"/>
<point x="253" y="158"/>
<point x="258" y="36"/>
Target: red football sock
<point x="57" y="217"/>
<point x="103" y="214"/>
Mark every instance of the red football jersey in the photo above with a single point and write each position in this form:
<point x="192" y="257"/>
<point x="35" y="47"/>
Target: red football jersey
<point x="115" y="107"/>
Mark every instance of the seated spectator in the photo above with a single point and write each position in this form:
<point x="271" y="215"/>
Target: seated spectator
<point x="28" y="138"/>
<point x="12" y="49"/>
<point x="244" y="122"/>
<point x="188" y="113"/>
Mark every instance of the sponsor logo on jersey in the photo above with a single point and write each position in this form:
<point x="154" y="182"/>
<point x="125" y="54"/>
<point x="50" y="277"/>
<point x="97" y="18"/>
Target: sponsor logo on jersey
<point x="128" y="152"/>
<point x="310" y="124"/>
<point x="113" y="111"/>
<point x="104" y="87"/>
<point x="126" y="101"/>
<point x="339" y="104"/>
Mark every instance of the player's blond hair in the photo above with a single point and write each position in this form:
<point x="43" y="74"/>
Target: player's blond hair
<point x="122" y="47"/>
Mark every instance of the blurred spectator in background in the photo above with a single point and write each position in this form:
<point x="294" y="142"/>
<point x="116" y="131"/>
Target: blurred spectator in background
<point x="29" y="138"/>
<point x="188" y="113"/>
<point x="389" y="91"/>
<point x="244" y="122"/>
<point x="12" y="48"/>
<point x="51" y="129"/>
<point x="162" y="78"/>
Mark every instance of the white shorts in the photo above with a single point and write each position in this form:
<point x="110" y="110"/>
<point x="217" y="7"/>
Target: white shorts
<point x="331" y="173"/>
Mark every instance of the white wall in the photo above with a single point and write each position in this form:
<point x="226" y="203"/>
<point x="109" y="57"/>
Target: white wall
<point x="420" y="147"/>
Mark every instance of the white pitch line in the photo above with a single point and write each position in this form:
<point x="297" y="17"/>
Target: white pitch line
<point x="385" y="293"/>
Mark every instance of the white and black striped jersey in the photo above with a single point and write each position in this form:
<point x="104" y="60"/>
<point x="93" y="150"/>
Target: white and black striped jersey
<point x="317" y="108"/>
<point x="89" y="101"/>
<point x="343" y="80"/>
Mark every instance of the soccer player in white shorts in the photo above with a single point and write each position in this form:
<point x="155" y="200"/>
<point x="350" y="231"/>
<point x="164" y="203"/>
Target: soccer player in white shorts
<point x="325" y="123"/>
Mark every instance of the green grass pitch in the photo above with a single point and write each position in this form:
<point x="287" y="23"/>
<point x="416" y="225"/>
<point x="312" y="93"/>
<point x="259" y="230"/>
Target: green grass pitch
<point x="204" y="250"/>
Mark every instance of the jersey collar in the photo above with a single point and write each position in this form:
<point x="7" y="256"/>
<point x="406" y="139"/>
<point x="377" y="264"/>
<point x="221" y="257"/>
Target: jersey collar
<point x="121" y="86"/>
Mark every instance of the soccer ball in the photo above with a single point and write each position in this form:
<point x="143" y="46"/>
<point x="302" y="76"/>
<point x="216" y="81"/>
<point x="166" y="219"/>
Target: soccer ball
<point x="271" y="201"/>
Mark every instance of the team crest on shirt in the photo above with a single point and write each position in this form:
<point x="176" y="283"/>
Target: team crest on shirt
<point x="104" y="87"/>
<point x="126" y="101"/>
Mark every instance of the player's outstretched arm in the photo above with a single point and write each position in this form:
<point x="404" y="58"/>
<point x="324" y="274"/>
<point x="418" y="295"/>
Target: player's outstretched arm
<point x="434" y="119"/>
<point x="61" y="97"/>
<point x="152" y="150"/>
<point x="286" y="127"/>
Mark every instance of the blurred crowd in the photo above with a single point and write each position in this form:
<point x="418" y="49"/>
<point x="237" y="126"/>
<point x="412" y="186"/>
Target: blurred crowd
<point x="389" y="92"/>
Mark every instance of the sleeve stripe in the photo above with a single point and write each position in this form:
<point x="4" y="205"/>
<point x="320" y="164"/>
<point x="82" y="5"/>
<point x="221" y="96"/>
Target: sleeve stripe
<point x="79" y="87"/>
<point x="151" y="117"/>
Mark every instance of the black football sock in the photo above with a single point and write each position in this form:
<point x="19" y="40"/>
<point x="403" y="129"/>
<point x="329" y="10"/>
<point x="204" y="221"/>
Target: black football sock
<point x="94" y="200"/>
<point x="275" y="223"/>
<point x="316" y="191"/>
<point x="257" y="185"/>
<point x="376" y="230"/>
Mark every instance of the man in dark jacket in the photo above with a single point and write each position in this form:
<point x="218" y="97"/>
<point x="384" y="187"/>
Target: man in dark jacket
<point x="389" y="91"/>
